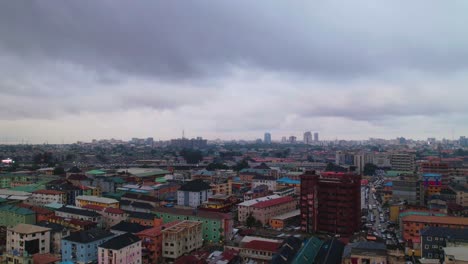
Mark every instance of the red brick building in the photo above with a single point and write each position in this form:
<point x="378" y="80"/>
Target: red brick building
<point x="330" y="203"/>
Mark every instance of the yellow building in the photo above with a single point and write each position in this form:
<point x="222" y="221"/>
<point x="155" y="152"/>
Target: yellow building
<point x="83" y="200"/>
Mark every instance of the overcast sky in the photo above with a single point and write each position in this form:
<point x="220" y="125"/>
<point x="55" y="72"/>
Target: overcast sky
<point x="78" y="70"/>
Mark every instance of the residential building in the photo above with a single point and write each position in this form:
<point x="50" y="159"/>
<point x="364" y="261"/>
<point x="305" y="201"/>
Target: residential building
<point x="365" y="252"/>
<point x="43" y="197"/>
<point x="407" y="187"/>
<point x="189" y="143"/>
<point x="413" y="224"/>
<point x="80" y="214"/>
<point x="257" y="192"/>
<point x="269" y="181"/>
<point x="193" y="193"/>
<point x="57" y="232"/>
<point x="244" y="209"/>
<point x="145" y="219"/>
<point x="437" y="167"/>
<point x="283" y="220"/>
<point x="181" y="238"/>
<point x="24" y="239"/>
<point x="127" y="227"/>
<point x="461" y="194"/>
<point x="42" y="214"/>
<point x="263" y="211"/>
<point x="151" y="242"/>
<point x="82" y="246"/>
<point x="258" y="249"/>
<point x="11" y="215"/>
<point x="65" y="186"/>
<point x="330" y="202"/>
<point x="434" y="239"/>
<point x="455" y="255"/>
<point x="403" y="161"/>
<point x="223" y="187"/>
<point x="216" y="226"/>
<point x="125" y="248"/>
<point x="110" y="216"/>
<point x="83" y="200"/>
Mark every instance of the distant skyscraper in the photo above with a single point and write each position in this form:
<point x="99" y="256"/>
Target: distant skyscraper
<point x="267" y="138"/>
<point x="284" y="140"/>
<point x="307" y="137"/>
<point x="292" y="139"/>
<point x="316" y="138"/>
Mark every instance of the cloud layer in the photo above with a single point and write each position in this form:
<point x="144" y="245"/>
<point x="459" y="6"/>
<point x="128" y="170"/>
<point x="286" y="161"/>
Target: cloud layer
<point x="232" y="70"/>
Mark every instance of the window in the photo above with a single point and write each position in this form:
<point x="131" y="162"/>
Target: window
<point x="426" y="246"/>
<point x="429" y="238"/>
<point x="436" y="238"/>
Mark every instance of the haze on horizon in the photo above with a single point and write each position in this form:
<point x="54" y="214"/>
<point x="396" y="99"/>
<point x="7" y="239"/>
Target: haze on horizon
<point x="78" y="70"/>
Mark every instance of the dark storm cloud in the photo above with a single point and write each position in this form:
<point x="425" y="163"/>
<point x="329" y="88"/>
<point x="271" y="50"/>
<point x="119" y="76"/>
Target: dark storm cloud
<point x="183" y="39"/>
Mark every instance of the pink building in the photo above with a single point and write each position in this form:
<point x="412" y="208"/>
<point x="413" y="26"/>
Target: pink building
<point x="263" y="209"/>
<point x="125" y="248"/>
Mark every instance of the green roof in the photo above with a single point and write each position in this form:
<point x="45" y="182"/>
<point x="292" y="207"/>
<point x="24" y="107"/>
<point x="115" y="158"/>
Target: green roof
<point x="16" y="210"/>
<point x="29" y="188"/>
<point x="161" y="180"/>
<point x="117" y="180"/>
<point x="309" y="251"/>
<point x="54" y="206"/>
<point x="151" y="173"/>
<point x="2" y="200"/>
<point x="96" y="172"/>
<point x="396" y="173"/>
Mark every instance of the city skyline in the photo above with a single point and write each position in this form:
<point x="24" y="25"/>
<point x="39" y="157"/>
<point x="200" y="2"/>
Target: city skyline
<point x="78" y="71"/>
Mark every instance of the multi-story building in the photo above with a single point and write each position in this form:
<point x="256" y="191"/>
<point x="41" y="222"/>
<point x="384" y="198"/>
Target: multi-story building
<point x="181" y="238"/>
<point x="11" y="215"/>
<point x="432" y="184"/>
<point x="244" y="209"/>
<point x="307" y="137"/>
<point x="407" y="187"/>
<point x="151" y="242"/>
<point x="267" y="138"/>
<point x="258" y="249"/>
<point x="365" y="252"/>
<point x="43" y="197"/>
<point x="316" y="137"/>
<point x="461" y="194"/>
<point x="221" y="187"/>
<point x="269" y="181"/>
<point x="24" y="239"/>
<point x="263" y="211"/>
<point x="82" y="247"/>
<point x="433" y="239"/>
<point x="80" y="214"/>
<point x="413" y="224"/>
<point x="125" y="248"/>
<point x="193" y="193"/>
<point x="65" y="186"/>
<point x="216" y="226"/>
<point x="257" y="192"/>
<point x="189" y="143"/>
<point x="437" y="167"/>
<point x="83" y="200"/>
<point x="330" y="202"/>
<point x="110" y="216"/>
<point x="57" y="232"/>
<point x="403" y="162"/>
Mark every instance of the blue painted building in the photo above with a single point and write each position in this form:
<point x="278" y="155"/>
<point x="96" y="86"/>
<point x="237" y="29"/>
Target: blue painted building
<point x="82" y="247"/>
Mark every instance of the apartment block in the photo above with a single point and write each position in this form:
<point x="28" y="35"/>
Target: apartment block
<point x="82" y="246"/>
<point x="43" y="197"/>
<point x="125" y="248"/>
<point x="24" y="239"/>
<point x="83" y="200"/>
<point x="181" y="238"/>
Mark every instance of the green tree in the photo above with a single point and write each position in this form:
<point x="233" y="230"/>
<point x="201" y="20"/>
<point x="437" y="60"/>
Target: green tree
<point x="335" y="168"/>
<point x="59" y="171"/>
<point x="192" y="156"/>
<point x="250" y="221"/>
<point x="369" y="169"/>
<point x="216" y="166"/>
<point x="243" y="164"/>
